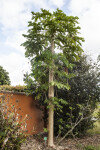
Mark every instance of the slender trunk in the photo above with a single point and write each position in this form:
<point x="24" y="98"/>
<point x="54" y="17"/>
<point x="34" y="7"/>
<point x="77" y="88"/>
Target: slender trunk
<point x="51" y="105"/>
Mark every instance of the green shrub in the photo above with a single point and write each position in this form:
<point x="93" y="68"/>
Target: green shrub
<point x="90" y="147"/>
<point x="17" y="88"/>
<point x="79" y="146"/>
<point x="11" y="134"/>
<point x="82" y="98"/>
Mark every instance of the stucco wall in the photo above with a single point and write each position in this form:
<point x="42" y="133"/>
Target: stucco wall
<point x="25" y="105"/>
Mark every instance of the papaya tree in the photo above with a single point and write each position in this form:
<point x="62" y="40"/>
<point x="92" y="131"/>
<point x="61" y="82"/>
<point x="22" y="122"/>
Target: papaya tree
<point x="52" y="37"/>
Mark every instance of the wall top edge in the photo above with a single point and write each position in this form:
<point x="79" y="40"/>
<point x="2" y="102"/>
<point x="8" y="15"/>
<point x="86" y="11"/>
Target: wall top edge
<point x="12" y="92"/>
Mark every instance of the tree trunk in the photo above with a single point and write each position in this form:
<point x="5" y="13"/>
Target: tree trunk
<point x="51" y="105"/>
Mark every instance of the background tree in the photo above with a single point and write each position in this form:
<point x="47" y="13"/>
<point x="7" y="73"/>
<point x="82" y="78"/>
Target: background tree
<point x="98" y="68"/>
<point x="52" y="37"/>
<point x="81" y="98"/>
<point x="4" y="77"/>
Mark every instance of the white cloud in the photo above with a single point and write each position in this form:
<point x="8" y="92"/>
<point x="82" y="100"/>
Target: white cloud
<point x="16" y="65"/>
<point x="16" y="40"/>
<point x="79" y="7"/>
<point x="57" y="3"/>
<point x="89" y="14"/>
<point x="9" y="13"/>
<point x="14" y="17"/>
<point x="15" y="13"/>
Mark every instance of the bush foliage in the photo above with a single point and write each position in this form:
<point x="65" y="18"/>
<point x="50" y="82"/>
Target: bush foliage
<point x="11" y="134"/>
<point x="17" y="88"/>
<point x="81" y="99"/>
<point x="4" y="77"/>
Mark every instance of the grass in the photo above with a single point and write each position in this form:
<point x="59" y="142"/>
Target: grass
<point x="95" y="130"/>
<point x="87" y="147"/>
<point x="90" y="147"/>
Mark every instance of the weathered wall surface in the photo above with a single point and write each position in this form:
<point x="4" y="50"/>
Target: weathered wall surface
<point x="25" y="105"/>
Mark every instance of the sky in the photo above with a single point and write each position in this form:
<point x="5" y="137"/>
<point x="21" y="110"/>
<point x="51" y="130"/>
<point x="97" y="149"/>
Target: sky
<point x="14" y="17"/>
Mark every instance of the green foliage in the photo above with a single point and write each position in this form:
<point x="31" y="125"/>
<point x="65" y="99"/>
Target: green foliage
<point x="81" y="99"/>
<point x="17" y="88"/>
<point x="90" y="147"/>
<point x="4" y="77"/>
<point x="79" y="146"/>
<point x="96" y="113"/>
<point x="45" y="130"/>
<point x="64" y="30"/>
<point x="52" y="45"/>
<point x="87" y="147"/>
<point x="83" y="81"/>
<point x="11" y="134"/>
<point x="95" y="130"/>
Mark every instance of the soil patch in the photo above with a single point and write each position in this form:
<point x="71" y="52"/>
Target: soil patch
<point x="38" y="143"/>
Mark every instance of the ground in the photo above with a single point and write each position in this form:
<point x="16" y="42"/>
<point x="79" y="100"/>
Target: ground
<point x="37" y="143"/>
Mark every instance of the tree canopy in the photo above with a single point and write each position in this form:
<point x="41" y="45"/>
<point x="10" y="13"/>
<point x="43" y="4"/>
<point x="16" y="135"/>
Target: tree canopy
<point x="67" y="46"/>
<point x="4" y="77"/>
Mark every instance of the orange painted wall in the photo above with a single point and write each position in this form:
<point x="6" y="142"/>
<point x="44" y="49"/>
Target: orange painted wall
<point x="26" y="105"/>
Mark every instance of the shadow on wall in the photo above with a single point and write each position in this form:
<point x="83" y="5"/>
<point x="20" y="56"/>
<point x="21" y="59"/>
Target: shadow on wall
<point x="25" y="108"/>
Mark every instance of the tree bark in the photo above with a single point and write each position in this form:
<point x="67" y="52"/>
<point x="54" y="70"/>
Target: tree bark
<point x="51" y="105"/>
